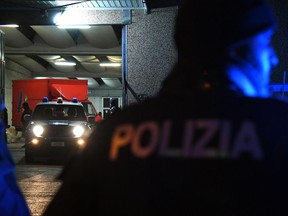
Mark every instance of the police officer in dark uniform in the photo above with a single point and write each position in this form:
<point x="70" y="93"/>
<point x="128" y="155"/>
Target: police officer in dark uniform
<point x="225" y="155"/>
<point x="26" y="110"/>
<point x="114" y="108"/>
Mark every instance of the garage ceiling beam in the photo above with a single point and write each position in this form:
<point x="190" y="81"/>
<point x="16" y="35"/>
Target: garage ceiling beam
<point x="37" y="17"/>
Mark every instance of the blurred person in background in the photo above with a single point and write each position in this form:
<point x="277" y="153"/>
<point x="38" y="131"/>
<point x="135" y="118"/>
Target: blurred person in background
<point x="26" y="110"/>
<point x="4" y="117"/>
<point x="114" y="108"/>
<point x="12" y="201"/>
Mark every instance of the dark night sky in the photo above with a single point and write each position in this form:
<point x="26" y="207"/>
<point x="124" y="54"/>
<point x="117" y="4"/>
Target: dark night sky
<point x="280" y="40"/>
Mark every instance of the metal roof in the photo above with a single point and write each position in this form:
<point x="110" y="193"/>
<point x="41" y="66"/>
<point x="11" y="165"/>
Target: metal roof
<point x="90" y="4"/>
<point x="36" y="43"/>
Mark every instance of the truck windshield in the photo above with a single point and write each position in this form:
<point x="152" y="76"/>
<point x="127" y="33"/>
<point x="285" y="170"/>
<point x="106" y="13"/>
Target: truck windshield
<point x="59" y="112"/>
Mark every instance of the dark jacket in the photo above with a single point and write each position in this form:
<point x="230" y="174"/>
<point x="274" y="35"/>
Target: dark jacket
<point x="27" y="110"/>
<point x="225" y="155"/>
<point x="4" y="117"/>
<point x="114" y="108"/>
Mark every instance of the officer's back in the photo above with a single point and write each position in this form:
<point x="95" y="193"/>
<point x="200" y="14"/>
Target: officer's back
<point x="225" y="154"/>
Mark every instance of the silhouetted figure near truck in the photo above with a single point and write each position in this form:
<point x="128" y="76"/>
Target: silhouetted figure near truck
<point x="227" y="154"/>
<point x="26" y="110"/>
<point x="114" y="108"/>
<point x="4" y="117"/>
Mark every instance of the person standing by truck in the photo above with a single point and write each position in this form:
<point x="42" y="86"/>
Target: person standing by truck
<point x="114" y="108"/>
<point x="4" y="117"/>
<point x="26" y="110"/>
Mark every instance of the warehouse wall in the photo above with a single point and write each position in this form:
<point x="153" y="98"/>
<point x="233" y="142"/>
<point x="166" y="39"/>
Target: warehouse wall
<point x="150" y="39"/>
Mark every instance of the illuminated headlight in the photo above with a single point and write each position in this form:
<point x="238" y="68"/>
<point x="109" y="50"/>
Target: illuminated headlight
<point x="81" y="142"/>
<point x="38" y="130"/>
<point x="78" y="131"/>
<point x="35" y="141"/>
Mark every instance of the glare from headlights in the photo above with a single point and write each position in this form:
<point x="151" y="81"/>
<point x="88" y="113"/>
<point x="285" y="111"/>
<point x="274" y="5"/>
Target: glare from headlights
<point x="78" y="131"/>
<point x="38" y="130"/>
<point x="81" y="142"/>
<point x="35" y="141"/>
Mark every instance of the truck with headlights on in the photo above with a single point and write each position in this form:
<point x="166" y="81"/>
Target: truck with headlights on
<point x="33" y="90"/>
<point x="56" y="130"/>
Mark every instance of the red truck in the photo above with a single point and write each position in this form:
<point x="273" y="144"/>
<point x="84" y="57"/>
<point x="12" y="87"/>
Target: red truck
<point x="33" y="91"/>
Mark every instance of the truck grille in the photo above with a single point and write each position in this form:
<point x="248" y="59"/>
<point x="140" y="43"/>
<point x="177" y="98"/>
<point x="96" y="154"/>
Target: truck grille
<point x="59" y="131"/>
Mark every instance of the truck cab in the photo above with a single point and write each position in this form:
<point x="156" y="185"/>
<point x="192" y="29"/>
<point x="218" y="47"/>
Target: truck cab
<point x="56" y="130"/>
<point x="33" y="90"/>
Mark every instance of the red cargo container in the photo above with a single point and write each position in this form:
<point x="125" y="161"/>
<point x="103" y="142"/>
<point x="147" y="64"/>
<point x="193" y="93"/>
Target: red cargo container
<point x="33" y="91"/>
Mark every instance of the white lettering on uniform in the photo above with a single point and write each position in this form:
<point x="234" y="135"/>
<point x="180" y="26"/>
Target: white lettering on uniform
<point x="158" y="138"/>
<point x="164" y="149"/>
<point x="247" y="141"/>
<point x="198" y="149"/>
<point x="138" y="149"/>
<point x="224" y="139"/>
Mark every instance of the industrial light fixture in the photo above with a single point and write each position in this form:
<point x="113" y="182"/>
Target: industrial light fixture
<point x="10" y="25"/>
<point x="110" y="64"/>
<point x="65" y="63"/>
<point x="73" y="26"/>
<point x="68" y="20"/>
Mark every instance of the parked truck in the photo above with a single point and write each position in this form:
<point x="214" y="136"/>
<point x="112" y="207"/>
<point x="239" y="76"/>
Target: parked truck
<point x="33" y="91"/>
